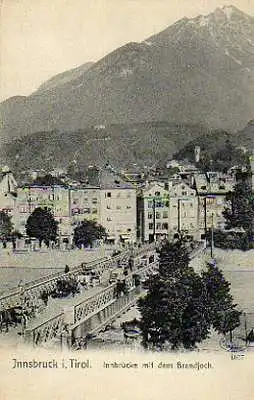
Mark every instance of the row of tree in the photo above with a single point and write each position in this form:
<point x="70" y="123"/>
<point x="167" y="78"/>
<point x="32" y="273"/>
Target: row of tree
<point x="42" y="225"/>
<point x="182" y="306"/>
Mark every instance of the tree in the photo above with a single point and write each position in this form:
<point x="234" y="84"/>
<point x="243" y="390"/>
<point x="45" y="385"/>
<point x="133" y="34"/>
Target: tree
<point x="87" y="232"/>
<point x="241" y="212"/>
<point x="223" y="315"/>
<point x="5" y="225"/>
<point x="173" y="312"/>
<point x="42" y="225"/>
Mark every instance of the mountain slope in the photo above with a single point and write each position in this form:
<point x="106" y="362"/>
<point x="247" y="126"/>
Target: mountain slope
<point x="64" y="77"/>
<point x="198" y="70"/>
<point x="120" y="145"/>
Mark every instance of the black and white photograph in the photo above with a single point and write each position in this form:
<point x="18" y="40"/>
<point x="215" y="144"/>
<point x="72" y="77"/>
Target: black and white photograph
<point x="127" y="198"/>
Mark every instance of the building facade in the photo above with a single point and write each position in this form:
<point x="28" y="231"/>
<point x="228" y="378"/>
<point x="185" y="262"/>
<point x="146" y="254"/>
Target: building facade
<point x="153" y="212"/>
<point x="183" y="211"/>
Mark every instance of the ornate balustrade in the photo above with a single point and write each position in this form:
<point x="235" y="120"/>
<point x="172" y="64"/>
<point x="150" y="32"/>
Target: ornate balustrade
<point x="48" y="283"/>
<point x="91" y="306"/>
<point x="45" y="331"/>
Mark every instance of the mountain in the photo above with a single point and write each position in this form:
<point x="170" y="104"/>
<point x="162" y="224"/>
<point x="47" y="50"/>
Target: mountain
<point x="197" y="71"/>
<point x="126" y="147"/>
<point x="121" y="145"/>
<point x="60" y="79"/>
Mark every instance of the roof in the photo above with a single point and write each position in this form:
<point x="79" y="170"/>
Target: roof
<point x="105" y="178"/>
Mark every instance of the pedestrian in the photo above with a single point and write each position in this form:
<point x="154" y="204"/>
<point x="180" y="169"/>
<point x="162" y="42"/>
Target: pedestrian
<point x="66" y="269"/>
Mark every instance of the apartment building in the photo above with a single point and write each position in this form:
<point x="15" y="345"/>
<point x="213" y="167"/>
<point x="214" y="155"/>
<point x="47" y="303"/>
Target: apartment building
<point x="117" y="207"/>
<point x="55" y="198"/>
<point x="212" y="189"/>
<point x="84" y="203"/>
<point x="153" y="211"/>
<point x="183" y="211"/>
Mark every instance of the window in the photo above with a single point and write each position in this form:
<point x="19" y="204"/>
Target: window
<point x="158" y="215"/>
<point x="108" y="194"/>
<point x="203" y="187"/>
<point x="109" y="219"/>
<point x="128" y="194"/>
<point x="150" y="215"/>
<point x="94" y="200"/>
<point x="184" y="193"/>
<point x="118" y="207"/>
<point x="108" y="207"/>
<point x="165" y="214"/>
<point x="128" y="207"/>
<point x="129" y="230"/>
<point x="158" y="225"/>
<point x="165" y="225"/>
<point x="150" y="226"/>
<point x="118" y="194"/>
<point x="157" y="193"/>
<point x="150" y="204"/>
<point x="94" y="210"/>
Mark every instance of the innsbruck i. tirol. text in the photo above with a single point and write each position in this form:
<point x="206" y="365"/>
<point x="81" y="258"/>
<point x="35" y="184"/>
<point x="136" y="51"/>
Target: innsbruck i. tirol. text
<point x="74" y="363"/>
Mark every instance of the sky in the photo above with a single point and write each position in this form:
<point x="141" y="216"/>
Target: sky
<point x="40" y="38"/>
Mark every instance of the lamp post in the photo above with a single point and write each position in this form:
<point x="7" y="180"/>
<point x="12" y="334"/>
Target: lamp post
<point x="212" y="240"/>
<point x="179" y="216"/>
<point x="205" y="220"/>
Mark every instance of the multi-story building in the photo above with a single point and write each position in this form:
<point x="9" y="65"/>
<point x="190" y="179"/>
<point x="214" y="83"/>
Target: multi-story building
<point x="108" y="200"/>
<point x="212" y="190"/>
<point x="117" y="207"/>
<point x="183" y="211"/>
<point x="153" y="212"/>
<point x="84" y="203"/>
<point x="55" y="198"/>
<point x="8" y="191"/>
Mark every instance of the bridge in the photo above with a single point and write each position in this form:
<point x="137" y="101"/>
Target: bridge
<point x="91" y="314"/>
<point x="12" y="298"/>
<point x="94" y="309"/>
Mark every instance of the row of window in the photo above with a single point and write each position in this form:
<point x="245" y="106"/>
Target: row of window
<point x="158" y="215"/>
<point x="78" y="211"/>
<point x="158" y="226"/>
<point x="118" y="194"/>
<point x="118" y="207"/>
<point x="158" y="204"/>
<point x="182" y="204"/>
<point x="86" y="200"/>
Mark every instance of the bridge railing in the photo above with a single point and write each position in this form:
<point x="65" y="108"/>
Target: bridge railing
<point x="35" y="287"/>
<point x="101" y="299"/>
<point x="45" y="331"/>
<point x="83" y="310"/>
